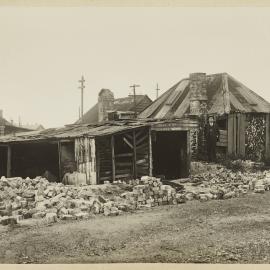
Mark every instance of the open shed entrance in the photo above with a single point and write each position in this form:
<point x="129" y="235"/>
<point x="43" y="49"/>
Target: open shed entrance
<point x="3" y="161"/>
<point x="169" y="149"/>
<point x="34" y="159"/>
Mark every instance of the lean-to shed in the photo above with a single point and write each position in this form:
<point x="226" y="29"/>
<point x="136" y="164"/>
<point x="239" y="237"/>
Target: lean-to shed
<point x="103" y="152"/>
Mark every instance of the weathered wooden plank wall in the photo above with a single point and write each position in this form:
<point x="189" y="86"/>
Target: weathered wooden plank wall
<point x="104" y="159"/>
<point x="267" y="138"/>
<point x="231" y="134"/>
<point x="85" y="156"/>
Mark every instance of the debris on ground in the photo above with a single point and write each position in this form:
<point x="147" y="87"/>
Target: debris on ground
<point x="215" y="181"/>
<point x="40" y="199"/>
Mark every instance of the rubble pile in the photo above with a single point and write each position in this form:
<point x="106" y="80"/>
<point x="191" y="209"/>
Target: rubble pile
<point x="149" y="192"/>
<point x="223" y="183"/>
<point x="38" y="198"/>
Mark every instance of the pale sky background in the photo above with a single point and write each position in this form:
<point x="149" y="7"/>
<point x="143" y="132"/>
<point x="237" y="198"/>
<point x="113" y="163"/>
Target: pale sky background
<point x="44" y="52"/>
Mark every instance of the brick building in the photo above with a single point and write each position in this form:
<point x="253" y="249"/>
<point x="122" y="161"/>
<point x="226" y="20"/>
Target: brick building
<point x="107" y="104"/>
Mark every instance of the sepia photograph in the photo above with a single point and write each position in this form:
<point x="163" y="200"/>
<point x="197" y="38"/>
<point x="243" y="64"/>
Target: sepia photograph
<point x="134" y="133"/>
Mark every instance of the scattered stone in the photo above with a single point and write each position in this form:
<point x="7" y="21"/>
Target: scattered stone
<point x="51" y="217"/>
<point x="8" y="220"/>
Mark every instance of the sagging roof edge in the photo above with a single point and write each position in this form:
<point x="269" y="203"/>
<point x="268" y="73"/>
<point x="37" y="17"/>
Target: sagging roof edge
<point x="68" y="139"/>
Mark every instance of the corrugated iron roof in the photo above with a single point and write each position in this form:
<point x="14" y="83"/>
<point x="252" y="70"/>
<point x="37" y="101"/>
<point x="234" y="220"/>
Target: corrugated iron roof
<point x="120" y="104"/>
<point x="175" y="102"/>
<point x="74" y="131"/>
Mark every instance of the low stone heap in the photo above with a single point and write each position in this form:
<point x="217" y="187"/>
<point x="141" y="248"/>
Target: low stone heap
<point x="38" y="198"/>
<point x="223" y="183"/>
<point x="149" y="192"/>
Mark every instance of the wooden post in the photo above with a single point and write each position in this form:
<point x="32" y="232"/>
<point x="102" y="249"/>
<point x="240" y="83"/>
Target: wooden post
<point x="231" y="134"/>
<point x="188" y="153"/>
<point x="9" y="161"/>
<point x="267" y="138"/>
<point x="134" y="155"/>
<point x="59" y="161"/>
<point x="241" y="135"/>
<point x="150" y="153"/>
<point x="113" y="158"/>
<point x="97" y="162"/>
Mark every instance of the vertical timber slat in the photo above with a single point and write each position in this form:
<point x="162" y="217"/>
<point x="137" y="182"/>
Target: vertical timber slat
<point x="59" y="161"/>
<point x="150" y="153"/>
<point x="92" y="165"/>
<point x="113" y="158"/>
<point x="97" y="162"/>
<point x="235" y="126"/>
<point x="188" y="153"/>
<point x="267" y="139"/>
<point x="241" y="135"/>
<point x="134" y="155"/>
<point x="9" y="161"/>
<point x="230" y="134"/>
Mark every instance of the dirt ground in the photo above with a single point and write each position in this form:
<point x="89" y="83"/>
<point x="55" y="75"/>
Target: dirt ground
<point x="229" y="231"/>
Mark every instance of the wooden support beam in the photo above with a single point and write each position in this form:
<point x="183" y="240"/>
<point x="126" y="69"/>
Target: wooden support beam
<point x="134" y="155"/>
<point x="97" y="163"/>
<point x="150" y="153"/>
<point x="113" y="158"/>
<point x="9" y="161"/>
<point x="188" y="153"/>
<point x="231" y="134"/>
<point x="241" y="135"/>
<point x="59" y="161"/>
<point x="267" y="139"/>
<point x="142" y="139"/>
<point x="127" y="142"/>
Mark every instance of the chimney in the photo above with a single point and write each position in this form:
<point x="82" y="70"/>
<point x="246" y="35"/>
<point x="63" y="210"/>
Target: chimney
<point x="1" y="113"/>
<point x="198" y="94"/>
<point x="105" y="104"/>
<point x="2" y="130"/>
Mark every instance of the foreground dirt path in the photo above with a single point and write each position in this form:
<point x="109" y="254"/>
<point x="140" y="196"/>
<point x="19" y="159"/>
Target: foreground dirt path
<point x="230" y="231"/>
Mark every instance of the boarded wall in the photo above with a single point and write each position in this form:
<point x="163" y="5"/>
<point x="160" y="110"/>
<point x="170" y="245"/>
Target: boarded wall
<point x="85" y="156"/>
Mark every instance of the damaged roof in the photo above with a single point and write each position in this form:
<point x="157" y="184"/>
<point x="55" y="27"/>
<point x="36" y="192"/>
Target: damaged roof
<point x="74" y="131"/>
<point x="225" y="95"/>
<point x="120" y="104"/>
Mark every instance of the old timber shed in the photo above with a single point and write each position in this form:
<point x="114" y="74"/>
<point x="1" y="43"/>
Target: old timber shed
<point x="106" y="151"/>
<point x="242" y="116"/>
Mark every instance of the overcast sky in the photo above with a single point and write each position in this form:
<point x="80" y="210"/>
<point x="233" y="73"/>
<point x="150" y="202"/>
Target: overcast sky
<point x="44" y="52"/>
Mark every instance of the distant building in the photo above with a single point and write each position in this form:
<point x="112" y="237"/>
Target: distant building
<point x="7" y="127"/>
<point x="109" y="108"/>
<point x="32" y="126"/>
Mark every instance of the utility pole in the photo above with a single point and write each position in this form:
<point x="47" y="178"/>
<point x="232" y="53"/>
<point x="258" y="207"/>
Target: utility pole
<point x="157" y="90"/>
<point x="20" y="121"/>
<point x="82" y="86"/>
<point x="134" y="97"/>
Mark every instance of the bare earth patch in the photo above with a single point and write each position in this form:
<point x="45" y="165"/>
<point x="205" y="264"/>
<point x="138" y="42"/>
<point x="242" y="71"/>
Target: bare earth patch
<point x="217" y="231"/>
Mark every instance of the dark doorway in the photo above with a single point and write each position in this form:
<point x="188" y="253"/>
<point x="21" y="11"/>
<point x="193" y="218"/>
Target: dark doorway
<point x="3" y="161"/>
<point x="170" y="154"/>
<point x="34" y="159"/>
<point x="68" y="163"/>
